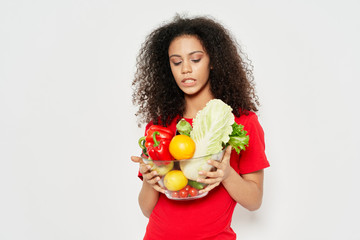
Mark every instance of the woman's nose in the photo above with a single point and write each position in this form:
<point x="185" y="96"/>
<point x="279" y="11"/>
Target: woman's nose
<point x="186" y="67"/>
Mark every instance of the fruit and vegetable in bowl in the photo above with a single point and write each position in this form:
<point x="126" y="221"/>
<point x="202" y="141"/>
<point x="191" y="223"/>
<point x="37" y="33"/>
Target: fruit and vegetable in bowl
<point x="177" y="185"/>
<point x="178" y="158"/>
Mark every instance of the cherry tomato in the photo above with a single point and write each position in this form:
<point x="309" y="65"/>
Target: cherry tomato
<point x="193" y="192"/>
<point x="187" y="188"/>
<point x="183" y="193"/>
<point x="175" y="194"/>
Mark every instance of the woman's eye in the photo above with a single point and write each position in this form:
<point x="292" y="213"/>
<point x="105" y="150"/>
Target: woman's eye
<point x="176" y="63"/>
<point x="196" y="60"/>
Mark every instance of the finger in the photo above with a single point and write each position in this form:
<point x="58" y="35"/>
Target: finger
<point x="153" y="181"/>
<point x="214" y="163"/>
<point x="136" y="159"/>
<point x="144" y="168"/>
<point x="219" y="173"/>
<point x="227" y="154"/>
<point x="209" y="187"/>
<point x="210" y="180"/>
<point x="224" y="160"/>
<point x="158" y="188"/>
<point x="152" y="176"/>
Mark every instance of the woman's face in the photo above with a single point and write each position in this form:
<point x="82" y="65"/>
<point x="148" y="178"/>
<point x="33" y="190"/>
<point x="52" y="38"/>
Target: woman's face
<point x="190" y="65"/>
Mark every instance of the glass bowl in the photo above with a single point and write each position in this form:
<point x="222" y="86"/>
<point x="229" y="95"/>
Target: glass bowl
<point x="178" y="177"/>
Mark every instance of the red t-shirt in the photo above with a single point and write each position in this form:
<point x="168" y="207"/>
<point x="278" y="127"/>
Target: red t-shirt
<point x="208" y="218"/>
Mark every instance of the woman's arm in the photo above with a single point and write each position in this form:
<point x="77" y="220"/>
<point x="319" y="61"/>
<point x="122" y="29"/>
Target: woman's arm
<point x="149" y="193"/>
<point x="245" y="189"/>
<point x="148" y="198"/>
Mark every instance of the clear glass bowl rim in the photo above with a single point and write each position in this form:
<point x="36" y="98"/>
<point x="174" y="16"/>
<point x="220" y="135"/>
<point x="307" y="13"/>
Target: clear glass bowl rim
<point x="186" y="159"/>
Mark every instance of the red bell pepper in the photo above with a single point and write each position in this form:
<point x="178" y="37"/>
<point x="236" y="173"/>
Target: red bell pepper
<point x="157" y="142"/>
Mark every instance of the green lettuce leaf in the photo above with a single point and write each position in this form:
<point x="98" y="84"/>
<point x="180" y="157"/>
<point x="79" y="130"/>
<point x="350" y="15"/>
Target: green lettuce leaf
<point x="238" y="138"/>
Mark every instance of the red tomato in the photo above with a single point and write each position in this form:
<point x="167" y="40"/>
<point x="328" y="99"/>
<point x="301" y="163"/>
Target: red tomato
<point x="187" y="188"/>
<point x="193" y="192"/>
<point x="183" y="193"/>
<point x="175" y="194"/>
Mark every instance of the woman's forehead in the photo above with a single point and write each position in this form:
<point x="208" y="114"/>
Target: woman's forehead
<point x="185" y="44"/>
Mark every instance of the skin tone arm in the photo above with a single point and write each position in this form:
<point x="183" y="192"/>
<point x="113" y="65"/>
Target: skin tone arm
<point x="245" y="189"/>
<point x="149" y="193"/>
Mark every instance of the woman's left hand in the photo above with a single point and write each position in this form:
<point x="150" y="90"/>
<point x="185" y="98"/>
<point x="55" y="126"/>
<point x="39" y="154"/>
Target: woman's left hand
<point x="222" y="172"/>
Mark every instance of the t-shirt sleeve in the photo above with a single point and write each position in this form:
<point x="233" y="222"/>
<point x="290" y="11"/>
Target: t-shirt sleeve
<point x="253" y="158"/>
<point x="140" y="175"/>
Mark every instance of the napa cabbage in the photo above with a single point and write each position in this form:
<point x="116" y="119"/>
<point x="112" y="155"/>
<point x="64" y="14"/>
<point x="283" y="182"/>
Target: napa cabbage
<point x="211" y="129"/>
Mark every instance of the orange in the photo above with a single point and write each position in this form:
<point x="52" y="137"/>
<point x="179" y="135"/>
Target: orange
<point x="175" y="180"/>
<point x="182" y="147"/>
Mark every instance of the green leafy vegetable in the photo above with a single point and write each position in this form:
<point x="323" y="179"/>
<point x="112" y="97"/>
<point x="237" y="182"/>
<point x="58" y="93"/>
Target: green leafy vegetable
<point x="184" y="127"/>
<point x="211" y="129"/>
<point x="238" y="138"/>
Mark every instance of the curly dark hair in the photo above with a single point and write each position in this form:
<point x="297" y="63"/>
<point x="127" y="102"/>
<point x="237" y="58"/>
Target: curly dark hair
<point x="231" y="79"/>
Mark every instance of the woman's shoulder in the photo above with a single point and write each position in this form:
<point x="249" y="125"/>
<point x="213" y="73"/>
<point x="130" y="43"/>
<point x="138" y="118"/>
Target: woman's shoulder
<point x="251" y="123"/>
<point x="246" y="118"/>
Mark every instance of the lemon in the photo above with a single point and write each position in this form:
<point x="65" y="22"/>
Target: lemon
<point x="175" y="180"/>
<point x="182" y="147"/>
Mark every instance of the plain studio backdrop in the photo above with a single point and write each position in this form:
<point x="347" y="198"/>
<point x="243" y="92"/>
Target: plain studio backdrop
<point x="67" y="124"/>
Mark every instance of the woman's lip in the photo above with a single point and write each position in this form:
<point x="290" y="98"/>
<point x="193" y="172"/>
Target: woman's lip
<point x="188" y="82"/>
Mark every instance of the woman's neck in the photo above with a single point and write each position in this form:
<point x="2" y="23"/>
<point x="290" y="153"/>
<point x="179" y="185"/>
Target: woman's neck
<point x="194" y="103"/>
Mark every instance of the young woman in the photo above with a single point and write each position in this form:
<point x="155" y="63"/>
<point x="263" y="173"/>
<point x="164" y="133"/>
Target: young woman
<point x="181" y="66"/>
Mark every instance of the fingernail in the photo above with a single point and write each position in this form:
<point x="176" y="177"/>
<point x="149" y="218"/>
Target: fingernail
<point x="148" y="167"/>
<point x="201" y="172"/>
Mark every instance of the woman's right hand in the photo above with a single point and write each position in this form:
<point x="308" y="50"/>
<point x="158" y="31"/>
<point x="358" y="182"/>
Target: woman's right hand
<point x="150" y="177"/>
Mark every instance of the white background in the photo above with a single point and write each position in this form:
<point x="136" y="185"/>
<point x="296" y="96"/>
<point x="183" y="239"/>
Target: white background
<point x="67" y="124"/>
